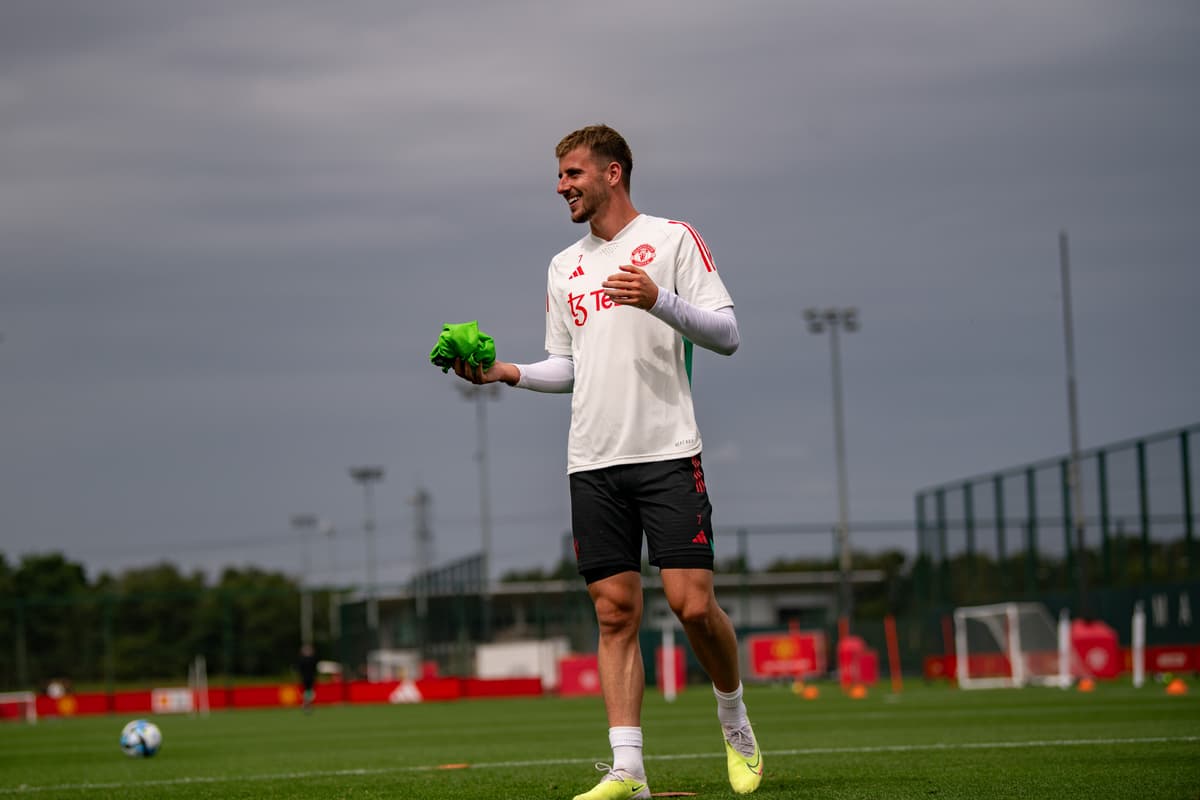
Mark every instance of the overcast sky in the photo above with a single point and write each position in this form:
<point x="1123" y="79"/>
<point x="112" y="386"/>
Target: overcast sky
<point x="230" y="233"/>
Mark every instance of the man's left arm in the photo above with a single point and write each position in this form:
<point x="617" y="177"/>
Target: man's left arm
<point x="715" y="330"/>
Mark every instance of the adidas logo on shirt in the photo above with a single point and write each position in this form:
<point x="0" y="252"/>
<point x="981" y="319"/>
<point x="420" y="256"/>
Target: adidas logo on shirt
<point x="578" y="271"/>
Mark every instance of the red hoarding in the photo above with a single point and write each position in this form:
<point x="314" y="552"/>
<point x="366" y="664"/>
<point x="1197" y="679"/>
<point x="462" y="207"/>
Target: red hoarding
<point x="787" y="655"/>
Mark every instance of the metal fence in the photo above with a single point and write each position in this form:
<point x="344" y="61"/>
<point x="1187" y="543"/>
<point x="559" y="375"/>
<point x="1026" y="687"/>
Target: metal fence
<point x="1010" y="533"/>
<point x="1005" y="535"/>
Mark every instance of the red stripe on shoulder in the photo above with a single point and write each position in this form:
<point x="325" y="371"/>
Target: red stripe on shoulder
<point x="704" y="253"/>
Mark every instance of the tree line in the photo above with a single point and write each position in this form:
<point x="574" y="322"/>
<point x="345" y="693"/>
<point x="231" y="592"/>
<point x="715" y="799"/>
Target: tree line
<point x="144" y="623"/>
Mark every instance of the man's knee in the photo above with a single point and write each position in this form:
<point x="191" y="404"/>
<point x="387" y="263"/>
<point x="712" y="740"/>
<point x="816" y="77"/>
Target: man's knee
<point x="617" y="614"/>
<point x="695" y="609"/>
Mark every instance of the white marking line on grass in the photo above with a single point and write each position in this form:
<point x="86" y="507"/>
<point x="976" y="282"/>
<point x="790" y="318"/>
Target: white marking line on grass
<point x="548" y="762"/>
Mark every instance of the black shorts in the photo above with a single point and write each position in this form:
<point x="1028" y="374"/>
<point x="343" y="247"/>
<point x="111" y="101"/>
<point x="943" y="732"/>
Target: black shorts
<point x="611" y="507"/>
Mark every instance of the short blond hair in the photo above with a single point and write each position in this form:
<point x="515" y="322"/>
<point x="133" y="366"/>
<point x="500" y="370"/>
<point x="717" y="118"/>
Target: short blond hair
<point x="606" y="145"/>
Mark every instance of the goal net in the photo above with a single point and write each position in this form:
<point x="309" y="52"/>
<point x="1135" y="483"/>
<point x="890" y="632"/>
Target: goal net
<point x="1012" y="645"/>
<point x="18" y="706"/>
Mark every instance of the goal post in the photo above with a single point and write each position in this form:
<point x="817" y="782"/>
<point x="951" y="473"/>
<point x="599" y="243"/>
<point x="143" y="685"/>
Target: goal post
<point x="198" y="685"/>
<point x="1138" y="644"/>
<point x="18" y="706"/>
<point x="1012" y="645"/>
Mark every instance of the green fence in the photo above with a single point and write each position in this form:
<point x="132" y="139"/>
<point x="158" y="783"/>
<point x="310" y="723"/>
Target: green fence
<point x="1010" y="533"/>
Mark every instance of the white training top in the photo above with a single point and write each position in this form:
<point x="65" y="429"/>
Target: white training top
<point x="712" y="330"/>
<point x="631" y="398"/>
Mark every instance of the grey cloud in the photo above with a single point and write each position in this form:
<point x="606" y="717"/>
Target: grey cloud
<point x="230" y="233"/>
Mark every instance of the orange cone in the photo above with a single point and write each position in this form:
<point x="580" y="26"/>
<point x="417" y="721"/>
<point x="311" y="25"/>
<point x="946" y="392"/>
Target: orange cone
<point x="810" y="693"/>
<point x="1086" y="685"/>
<point x="1177" y="686"/>
<point x="858" y="691"/>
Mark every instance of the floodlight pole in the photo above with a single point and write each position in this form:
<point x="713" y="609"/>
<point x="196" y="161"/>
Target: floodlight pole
<point x="834" y="319"/>
<point x="481" y="394"/>
<point x="304" y="523"/>
<point x="1076" y="486"/>
<point x="367" y="477"/>
<point x="335" y="627"/>
<point x="424" y="545"/>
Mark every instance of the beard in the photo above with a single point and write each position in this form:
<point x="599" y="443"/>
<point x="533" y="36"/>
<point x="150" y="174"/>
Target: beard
<point x="589" y="205"/>
<point x="581" y="213"/>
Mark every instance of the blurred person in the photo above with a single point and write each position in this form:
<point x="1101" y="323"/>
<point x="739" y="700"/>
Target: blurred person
<point x="624" y="306"/>
<point x="306" y="666"/>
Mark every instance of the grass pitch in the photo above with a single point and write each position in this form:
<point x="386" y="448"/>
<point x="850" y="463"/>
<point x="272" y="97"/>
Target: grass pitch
<point x="929" y="742"/>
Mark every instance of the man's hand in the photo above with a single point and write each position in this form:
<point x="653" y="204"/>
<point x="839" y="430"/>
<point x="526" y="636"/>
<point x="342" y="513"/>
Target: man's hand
<point x="631" y="287"/>
<point x="500" y="371"/>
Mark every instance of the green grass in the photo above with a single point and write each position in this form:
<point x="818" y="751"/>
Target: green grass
<point x="931" y="742"/>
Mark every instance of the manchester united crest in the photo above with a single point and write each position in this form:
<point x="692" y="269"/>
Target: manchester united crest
<point x="642" y="255"/>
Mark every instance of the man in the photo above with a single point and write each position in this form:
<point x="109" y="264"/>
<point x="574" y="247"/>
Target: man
<point x="623" y="306"/>
<point x="306" y="665"/>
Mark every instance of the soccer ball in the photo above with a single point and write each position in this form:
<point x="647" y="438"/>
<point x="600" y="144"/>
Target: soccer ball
<point x="141" y="739"/>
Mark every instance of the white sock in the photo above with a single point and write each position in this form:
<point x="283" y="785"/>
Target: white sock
<point x="626" y="744"/>
<point x="731" y="711"/>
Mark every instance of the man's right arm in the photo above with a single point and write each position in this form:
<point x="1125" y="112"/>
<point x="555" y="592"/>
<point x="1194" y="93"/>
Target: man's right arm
<point x="555" y="374"/>
<point x="498" y="372"/>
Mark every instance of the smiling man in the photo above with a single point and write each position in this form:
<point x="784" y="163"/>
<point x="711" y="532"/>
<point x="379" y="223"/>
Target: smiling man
<point x="624" y="306"/>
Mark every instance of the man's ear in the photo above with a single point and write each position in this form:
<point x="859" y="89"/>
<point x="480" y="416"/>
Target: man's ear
<point x="613" y="173"/>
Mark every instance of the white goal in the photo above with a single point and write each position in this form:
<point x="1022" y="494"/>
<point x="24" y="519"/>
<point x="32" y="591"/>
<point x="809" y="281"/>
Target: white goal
<point x="198" y="685"/>
<point x="18" y="706"/>
<point x="1012" y="645"/>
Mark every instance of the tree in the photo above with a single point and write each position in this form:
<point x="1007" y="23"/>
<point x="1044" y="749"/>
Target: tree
<point x="157" y="628"/>
<point x="55" y="618"/>
<point x="263" y="610"/>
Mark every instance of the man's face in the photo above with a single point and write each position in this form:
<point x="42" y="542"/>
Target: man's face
<point x="582" y="182"/>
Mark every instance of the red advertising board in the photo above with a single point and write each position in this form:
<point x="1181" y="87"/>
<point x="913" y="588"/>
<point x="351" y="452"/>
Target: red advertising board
<point x="857" y="663"/>
<point x="1097" y="649"/>
<point x="1160" y="659"/>
<point x="578" y="675"/>
<point x="787" y="655"/>
<point x="1169" y="658"/>
<point x="288" y="694"/>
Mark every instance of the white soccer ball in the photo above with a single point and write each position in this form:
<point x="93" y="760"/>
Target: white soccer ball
<point x="141" y="739"/>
